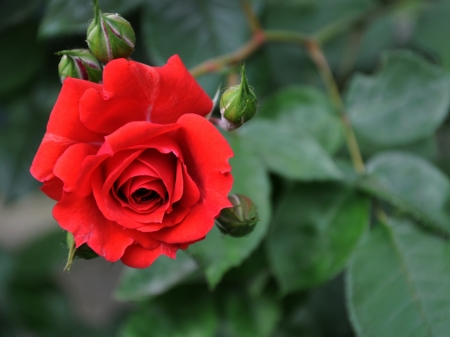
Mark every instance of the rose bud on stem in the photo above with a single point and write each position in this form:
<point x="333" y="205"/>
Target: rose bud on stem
<point x="82" y="252"/>
<point x="109" y="36"/>
<point x="79" y="63"/>
<point x="238" y="104"/>
<point x="240" y="219"/>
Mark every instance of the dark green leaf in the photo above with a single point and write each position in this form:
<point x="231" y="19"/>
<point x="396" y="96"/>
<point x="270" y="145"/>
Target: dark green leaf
<point x="6" y="263"/>
<point x="426" y="147"/>
<point x="14" y="12"/>
<point x="64" y="17"/>
<point x="405" y="101"/>
<point x="309" y="109"/>
<point x="45" y="254"/>
<point x="315" y="230"/>
<point x="164" y="273"/>
<point x="309" y="16"/>
<point x="246" y="316"/>
<point x="290" y="151"/>
<point x="218" y="253"/>
<point x="22" y="125"/>
<point x="398" y="283"/>
<point x="430" y="31"/>
<point x="412" y="185"/>
<point x="194" y="29"/>
<point x="20" y="57"/>
<point x="181" y="313"/>
<point x="382" y="33"/>
<point x="291" y="64"/>
<point x="320" y="312"/>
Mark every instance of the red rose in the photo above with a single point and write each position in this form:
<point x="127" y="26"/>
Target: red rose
<point x="135" y="167"/>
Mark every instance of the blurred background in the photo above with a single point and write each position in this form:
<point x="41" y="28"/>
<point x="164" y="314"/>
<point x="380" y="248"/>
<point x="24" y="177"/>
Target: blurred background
<point x="36" y="297"/>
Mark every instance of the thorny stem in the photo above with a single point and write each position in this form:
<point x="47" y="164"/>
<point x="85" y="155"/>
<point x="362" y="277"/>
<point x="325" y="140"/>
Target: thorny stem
<point x="312" y="45"/>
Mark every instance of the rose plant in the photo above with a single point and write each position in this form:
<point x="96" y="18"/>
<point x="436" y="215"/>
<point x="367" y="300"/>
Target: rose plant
<point x="346" y="160"/>
<point x="135" y="167"/>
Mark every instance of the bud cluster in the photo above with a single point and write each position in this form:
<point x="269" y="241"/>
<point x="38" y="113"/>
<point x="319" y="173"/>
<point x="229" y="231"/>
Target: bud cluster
<point x="109" y="36"/>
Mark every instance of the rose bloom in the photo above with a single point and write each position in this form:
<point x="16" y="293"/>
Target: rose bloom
<point x="136" y="169"/>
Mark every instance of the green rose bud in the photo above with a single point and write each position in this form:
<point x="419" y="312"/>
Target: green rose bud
<point x="79" y="63"/>
<point x="240" y="219"/>
<point x="82" y="252"/>
<point x="238" y="104"/>
<point x="109" y="36"/>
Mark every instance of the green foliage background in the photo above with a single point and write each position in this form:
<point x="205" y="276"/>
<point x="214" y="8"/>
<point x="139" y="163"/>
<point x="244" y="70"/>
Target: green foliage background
<point x="336" y="253"/>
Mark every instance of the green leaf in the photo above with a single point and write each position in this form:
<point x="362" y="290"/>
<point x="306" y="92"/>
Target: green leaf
<point x="218" y="253"/>
<point x="398" y="283"/>
<point x="405" y="101"/>
<point x="185" y="312"/>
<point x="289" y="151"/>
<point x="314" y="231"/>
<point x="411" y="184"/>
<point x="309" y="109"/>
<point x="247" y="316"/>
<point x="63" y="17"/>
<point x="164" y="274"/>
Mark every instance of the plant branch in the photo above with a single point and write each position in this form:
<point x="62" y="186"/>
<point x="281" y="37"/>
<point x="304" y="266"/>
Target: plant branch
<point x="217" y="63"/>
<point x="312" y="45"/>
<point x="252" y="19"/>
<point x="319" y="59"/>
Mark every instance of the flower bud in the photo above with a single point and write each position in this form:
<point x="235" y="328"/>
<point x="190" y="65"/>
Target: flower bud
<point x="240" y="219"/>
<point x="82" y="252"/>
<point x="109" y="36"/>
<point x="238" y="104"/>
<point x="79" y="63"/>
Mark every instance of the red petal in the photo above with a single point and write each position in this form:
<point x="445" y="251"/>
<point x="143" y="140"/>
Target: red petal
<point x="81" y="217"/>
<point x="53" y="188"/>
<point x="191" y="193"/>
<point x="179" y="94"/>
<point x="164" y="165"/>
<point x="68" y="166"/>
<point x="135" y="135"/>
<point x="206" y="155"/>
<point x="171" y="219"/>
<point x="64" y="129"/>
<point x="129" y="90"/>
<point x="136" y="92"/>
<point x="143" y="239"/>
<point x="138" y="257"/>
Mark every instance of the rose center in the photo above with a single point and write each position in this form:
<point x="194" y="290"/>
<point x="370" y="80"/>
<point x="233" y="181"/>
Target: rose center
<point x="143" y="195"/>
